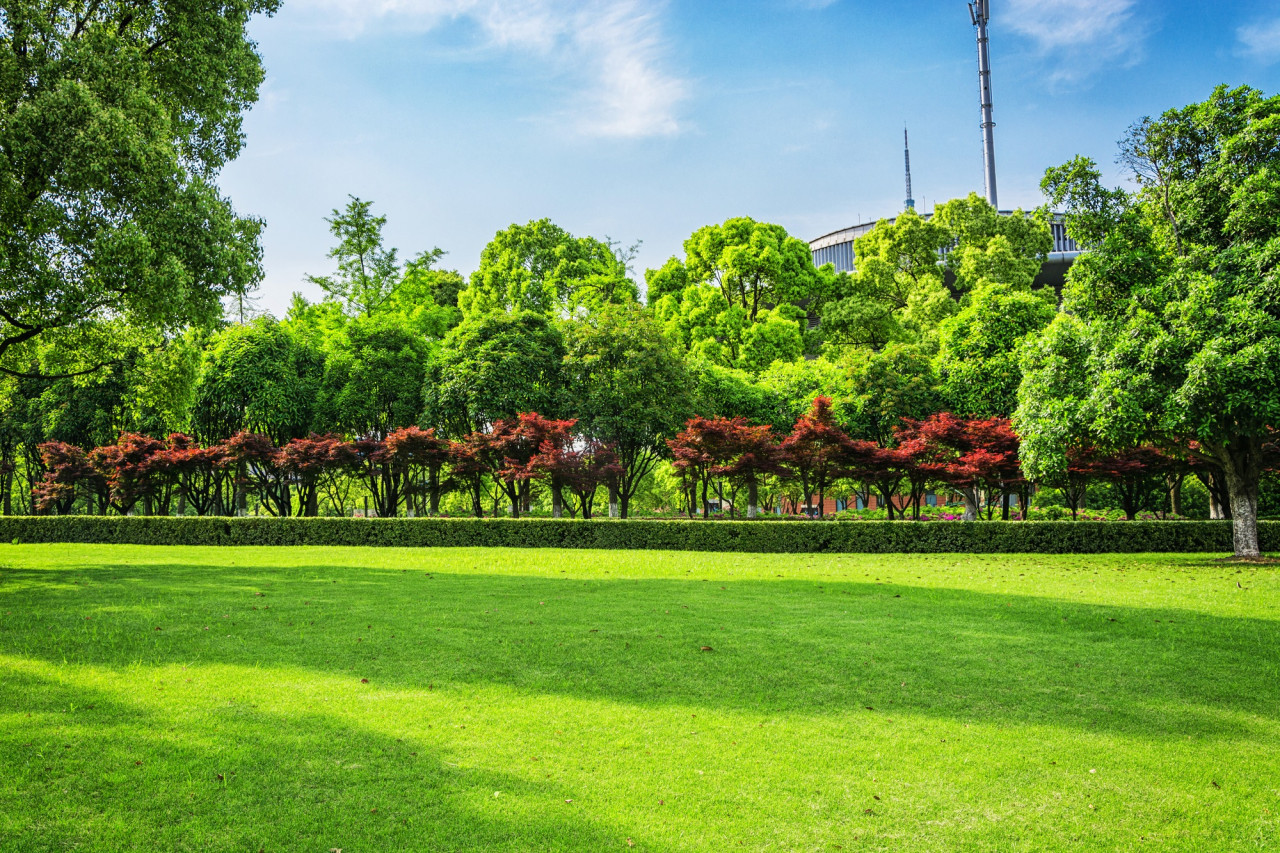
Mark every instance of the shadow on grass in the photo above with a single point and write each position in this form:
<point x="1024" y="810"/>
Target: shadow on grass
<point x="94" y="771"/>
<point x="784" y="646"/>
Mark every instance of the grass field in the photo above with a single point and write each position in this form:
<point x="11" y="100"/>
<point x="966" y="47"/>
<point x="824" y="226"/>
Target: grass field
<point x="303" y="699"/>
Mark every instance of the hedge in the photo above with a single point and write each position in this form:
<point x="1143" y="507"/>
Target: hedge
<point x="866" y="537"/>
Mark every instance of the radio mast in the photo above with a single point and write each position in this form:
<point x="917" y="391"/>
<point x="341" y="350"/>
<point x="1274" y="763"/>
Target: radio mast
<point x="980" y="12"/>
<point x="906" y="144"/>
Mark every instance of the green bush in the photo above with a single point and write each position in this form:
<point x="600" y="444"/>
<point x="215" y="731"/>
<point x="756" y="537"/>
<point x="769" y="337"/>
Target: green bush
<point x="1046" y="537"/>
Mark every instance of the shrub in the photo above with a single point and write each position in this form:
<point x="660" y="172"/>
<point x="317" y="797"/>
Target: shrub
<point x="676" y="535"/>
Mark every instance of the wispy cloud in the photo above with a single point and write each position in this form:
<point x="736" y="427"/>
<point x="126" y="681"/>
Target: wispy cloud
<point x="1079" y="39"/>
<point x="614" y="49"/>
<point x="1261" y="41"/>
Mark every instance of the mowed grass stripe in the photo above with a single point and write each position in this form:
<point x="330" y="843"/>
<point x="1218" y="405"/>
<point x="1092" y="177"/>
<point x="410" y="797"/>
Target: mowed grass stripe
<point x="471" y="699"/>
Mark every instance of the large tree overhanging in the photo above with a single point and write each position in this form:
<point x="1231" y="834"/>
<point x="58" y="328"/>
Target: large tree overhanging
<point x="1178" y="297"/>
<point x="115" y="118"/>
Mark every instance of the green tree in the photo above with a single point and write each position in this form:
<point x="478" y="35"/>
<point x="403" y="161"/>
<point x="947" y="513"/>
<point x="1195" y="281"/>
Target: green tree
<point x="368" y="273"/>
<point x="492" y="367"/>
<point x="1179" y="292"/>
<point x="542" y="268"/>
<point x="671" y="279"/>
<point x="755" y="265"/>
<point x="630" y="390"/>
<point x="990" y="248"/>
<point x="791" y="388"/>
<point x="978" y="348"/>
<point x="257" y="378"/>
<point x="373" y="375"/>
<point x="115" y="119"/>
<point x="895" y="383"/>
<point x="772" y="338"/>
<point x="898" y="292"/>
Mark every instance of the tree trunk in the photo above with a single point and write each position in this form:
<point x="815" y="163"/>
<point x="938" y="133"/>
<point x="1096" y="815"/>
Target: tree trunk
<point x="1004" y="506"/>
<point x="433" y="487"/>
<point x="557" y="501"/>
<point x="1175" y="494"/>
<point x="970" y="496"/>
<point x="706" y="502"/>
<point x="613" y="501"/>
<point x="753" y="499"/>
<point x="1243" y="473"/>
<point x="624" y="503"/>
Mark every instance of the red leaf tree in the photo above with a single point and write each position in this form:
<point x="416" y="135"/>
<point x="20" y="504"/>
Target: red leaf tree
<point x="203" y="475"/>
<point x="423" y="455"/>
<point x="134" y="471"/>
<point x="747" y="456"/>
<point x="579" y="467"/>
<point x="976" y="456"/>
<point x="512" y="447"/>
<point x="697" y="451"/>
<point x="307" y="461"/>
<point x="258" y="472"/>
<point x="68" y="475"/>
<point x="818" y="451"/>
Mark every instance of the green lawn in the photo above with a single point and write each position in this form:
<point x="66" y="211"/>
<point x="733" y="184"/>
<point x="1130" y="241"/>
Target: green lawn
<point x="314" y="699"/>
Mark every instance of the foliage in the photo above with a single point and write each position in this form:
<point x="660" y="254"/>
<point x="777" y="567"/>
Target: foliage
<point x="256" y="378"/>
<point x="492" y="367"/>
<point x="1178" y="293"/>
<point x="978" y="348"/>
<point x="629" y="390"/>
<point x="762" y="536"/>
<point x="541" y="268"/>
<point x="116" y="120"/>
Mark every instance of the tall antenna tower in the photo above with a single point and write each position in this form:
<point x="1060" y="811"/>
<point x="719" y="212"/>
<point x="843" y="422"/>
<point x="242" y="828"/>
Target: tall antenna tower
<point x="980" y="12"/>
<point x="906" y="148"/>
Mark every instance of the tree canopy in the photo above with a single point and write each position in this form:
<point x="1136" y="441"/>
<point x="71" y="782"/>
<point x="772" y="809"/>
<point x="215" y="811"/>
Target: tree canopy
<point x="116" y="119"/>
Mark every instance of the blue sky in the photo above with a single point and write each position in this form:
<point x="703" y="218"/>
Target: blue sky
<point x="642" y="121"/>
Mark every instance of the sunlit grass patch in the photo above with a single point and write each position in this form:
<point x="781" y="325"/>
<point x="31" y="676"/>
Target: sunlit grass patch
<point x="374" y="699"/>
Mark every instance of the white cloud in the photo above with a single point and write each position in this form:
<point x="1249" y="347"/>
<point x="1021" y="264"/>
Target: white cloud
<point x="1079" y="39"/>
<point x="613" y="48"/>
<point x="1261" y="41"/>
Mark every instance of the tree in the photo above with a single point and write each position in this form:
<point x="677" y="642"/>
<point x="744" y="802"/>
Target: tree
<point x="256" y="460"/>
<point x="976" y="456"/>
<point x="544" y="269"/>
<point x="115" y="119"/>
<point x="202" y="474"/>
<point x="670" y="279"/>
<point x="818" y="451"/>
<point x="1178" y="291"/>
<point x="580" y="467"/>
<point x="990" y="248"/>
<point x="307" y="460"/>
<point x="256" y="378"/>
<point x="629" y="389"/>
<point x="897" y="293"/>
<point x="748" y="455"/>
<point x="979" y="348"/>
<point x="68" y="476"/>
<point x="492" y="367"/>
<point x="373" y="378"/>
<point x="887" y="387"/>
<point x="423" y="455"/>
<point x="696" y="451"/>
<point x="133" y="470"/>
<point x="513" y="445"/>
<point x="774" y="338"/>
<point x="755" y="265"/>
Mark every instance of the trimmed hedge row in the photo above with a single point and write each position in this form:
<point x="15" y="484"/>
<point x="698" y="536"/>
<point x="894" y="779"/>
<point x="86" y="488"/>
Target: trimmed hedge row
<point x="865" y="537"/>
